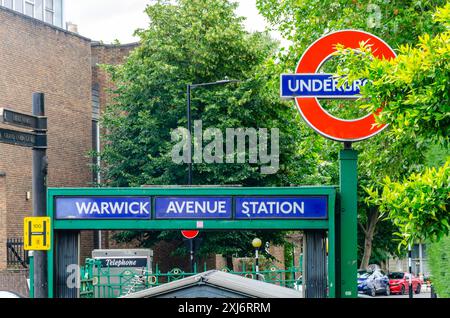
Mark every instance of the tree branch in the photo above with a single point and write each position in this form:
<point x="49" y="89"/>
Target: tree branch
<point x="362" y="228"/>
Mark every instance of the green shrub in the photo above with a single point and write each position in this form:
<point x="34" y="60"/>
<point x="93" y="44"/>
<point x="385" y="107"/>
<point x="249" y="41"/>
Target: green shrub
<point x="439" y="262"/>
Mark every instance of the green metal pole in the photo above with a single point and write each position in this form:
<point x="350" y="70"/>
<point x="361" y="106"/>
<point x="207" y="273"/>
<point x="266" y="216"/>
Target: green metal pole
<point x="31" y="268"/>
<point x="347" y="224"/>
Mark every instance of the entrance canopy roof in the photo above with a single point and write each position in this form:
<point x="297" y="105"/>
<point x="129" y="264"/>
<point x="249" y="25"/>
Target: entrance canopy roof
<point x="217" y="284"/>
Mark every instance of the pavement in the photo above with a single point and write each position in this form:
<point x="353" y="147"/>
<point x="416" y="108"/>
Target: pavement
<point x="426" y="294"/>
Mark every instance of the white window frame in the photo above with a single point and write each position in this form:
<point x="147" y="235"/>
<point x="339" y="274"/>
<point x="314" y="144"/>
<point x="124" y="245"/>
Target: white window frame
<point x="2" y="3"/>
<point x="45" y="10"/>
<point x="32" y="2"/>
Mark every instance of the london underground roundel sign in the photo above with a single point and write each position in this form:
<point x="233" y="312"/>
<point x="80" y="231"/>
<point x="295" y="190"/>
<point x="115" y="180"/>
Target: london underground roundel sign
<point x="307" y="86"/>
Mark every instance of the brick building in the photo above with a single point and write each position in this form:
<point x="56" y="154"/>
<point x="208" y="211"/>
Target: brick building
<point x="36" y="56"/>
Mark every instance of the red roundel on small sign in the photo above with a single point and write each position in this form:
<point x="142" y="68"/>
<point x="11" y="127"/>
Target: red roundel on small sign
<point x="190" y="234"/>
<point x="313" y="113"/>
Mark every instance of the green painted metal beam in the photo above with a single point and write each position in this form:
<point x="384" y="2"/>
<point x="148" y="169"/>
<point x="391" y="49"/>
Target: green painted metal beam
<point x="31" y="270"/>
<point x="160" y="225"/>
<point x="346" y="259"/>
<point x="192" y="191"/>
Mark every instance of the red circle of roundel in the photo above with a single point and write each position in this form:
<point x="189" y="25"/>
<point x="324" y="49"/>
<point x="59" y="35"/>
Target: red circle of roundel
<point x="190" y="234"/>
<point x="313" y="113"/>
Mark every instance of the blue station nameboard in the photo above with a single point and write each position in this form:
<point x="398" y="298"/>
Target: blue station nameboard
<point x="249" y="208"/>
<point x="103" y="208"/>
<point x="193" y="207"/>
<point x="319" y="86"/>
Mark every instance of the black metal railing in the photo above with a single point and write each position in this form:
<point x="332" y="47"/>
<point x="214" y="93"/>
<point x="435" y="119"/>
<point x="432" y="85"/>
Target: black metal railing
<point x="16" y="255"/>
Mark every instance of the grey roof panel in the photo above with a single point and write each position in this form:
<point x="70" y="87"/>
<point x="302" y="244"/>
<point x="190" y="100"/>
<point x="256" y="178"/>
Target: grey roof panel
<point x="222" y="280"/>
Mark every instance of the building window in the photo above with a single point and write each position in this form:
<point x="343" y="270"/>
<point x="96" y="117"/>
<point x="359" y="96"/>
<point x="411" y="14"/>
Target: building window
<point x="49" y="11"/>
<point x="96" y="102"/>
<point x="29" y="8"/>
<point x="58" y="13"/>
<point x="39" y="9"/>
<point x="18" y="5"/>
<point x="7" y="3"/>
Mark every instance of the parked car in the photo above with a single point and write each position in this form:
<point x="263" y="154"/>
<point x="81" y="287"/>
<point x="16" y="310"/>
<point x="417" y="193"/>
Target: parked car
<point x="373" y="283"/>
<point x="399" y="283"/>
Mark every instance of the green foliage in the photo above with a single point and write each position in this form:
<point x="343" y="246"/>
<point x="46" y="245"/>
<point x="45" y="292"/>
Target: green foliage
<point x="419" y="205"/>
<point x="384" y="246"/>
<point x="436" y="156"/>
<point x="189" y="42"/>
<point x="414" y="88"/>
<point x="439" y="262"/>
<point x="196" y="42"/>
<point x="398" y="23"/>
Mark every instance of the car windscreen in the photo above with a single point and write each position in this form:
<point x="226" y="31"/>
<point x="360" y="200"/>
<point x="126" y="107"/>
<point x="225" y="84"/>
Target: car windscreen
<point x="396" y="275"/>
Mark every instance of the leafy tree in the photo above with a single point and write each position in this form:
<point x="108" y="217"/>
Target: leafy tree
<point x="195" y="41"/>
<point x="398" y="23"/>
<point x="378" y="158"/>
<point x="414" y="90"/>
<point x="419" y="205"/>
<point x="384" y="248"/>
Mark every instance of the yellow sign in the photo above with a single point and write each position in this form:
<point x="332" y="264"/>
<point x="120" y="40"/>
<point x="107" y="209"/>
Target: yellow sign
<point x="37" y="234"/>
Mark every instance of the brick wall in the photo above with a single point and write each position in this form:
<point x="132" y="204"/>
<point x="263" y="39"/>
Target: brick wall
<point x="3" y="249"/>
<point x="36" y="57"/>
<point x="111" y="55"/>
<point x="15" y="281"/>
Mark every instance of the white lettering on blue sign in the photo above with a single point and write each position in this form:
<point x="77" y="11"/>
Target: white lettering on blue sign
<point x="113" y="208"/>
<point x="318" y="85"/>
<point x="194" y="207"/>
<point x="294" y="207"/>
<point x="103" y="208"/>
<point x="271" y="208"/>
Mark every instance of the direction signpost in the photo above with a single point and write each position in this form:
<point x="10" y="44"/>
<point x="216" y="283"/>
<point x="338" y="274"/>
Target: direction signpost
<point x="21" y="120"/>
<point x="39" y="195"/>
<point x="37" y="140"/>
<point x="20" y="138"/>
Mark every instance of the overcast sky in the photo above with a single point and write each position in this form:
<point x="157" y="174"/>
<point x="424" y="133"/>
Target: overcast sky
<point x="108" y="20"/>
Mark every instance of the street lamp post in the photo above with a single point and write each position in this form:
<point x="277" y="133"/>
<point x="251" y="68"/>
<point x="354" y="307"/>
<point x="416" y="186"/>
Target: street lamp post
<point x="410" y="289"/>
<point x="257" y="244"/>
<point x="190" y="87"/>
